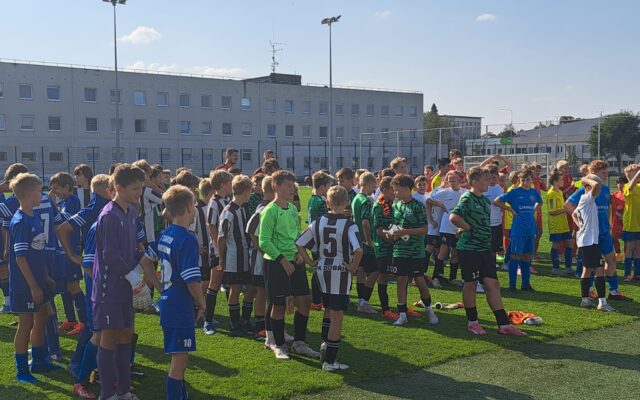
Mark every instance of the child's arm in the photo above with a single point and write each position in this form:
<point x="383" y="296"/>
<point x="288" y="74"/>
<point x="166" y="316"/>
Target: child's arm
<point x="436" y="203"/>
<point x="488" y="160"/>
<point x="195" y="288"/>
<point x="500" y="204"/>
<point x="25" y="270"/>
<point x="222" y="251"/>
<point x="355" y="261"/>
<point x="149" y="273"/>
<point x="366" y="227"/>
<point x="432" y="221"/>
<point x="411" y="231"/>
<point x="62" y="232"/>
<point x="574" y="216"/>
<point x="304" y="254"/>
<point x="596" y="186"/>
<point x="459" y="222"/>
<point x="634" y="180"/>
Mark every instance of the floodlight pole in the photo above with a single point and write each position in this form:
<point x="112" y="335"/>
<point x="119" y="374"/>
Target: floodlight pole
<point x="330" y="21"/>
<point x="115" y="63"/>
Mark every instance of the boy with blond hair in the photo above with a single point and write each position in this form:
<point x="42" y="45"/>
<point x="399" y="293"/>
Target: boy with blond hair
<point x="368" y="269"/>
<point x="316" y="208"/>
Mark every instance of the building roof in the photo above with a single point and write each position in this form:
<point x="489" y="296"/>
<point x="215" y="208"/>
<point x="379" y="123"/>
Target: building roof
<point x="573" y="128"/>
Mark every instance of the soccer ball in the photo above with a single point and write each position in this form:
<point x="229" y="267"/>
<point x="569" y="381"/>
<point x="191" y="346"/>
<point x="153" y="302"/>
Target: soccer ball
<point x="141" y="296"/>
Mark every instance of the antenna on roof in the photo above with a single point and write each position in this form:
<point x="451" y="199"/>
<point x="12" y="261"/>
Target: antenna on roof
<point x="274" y="50"/>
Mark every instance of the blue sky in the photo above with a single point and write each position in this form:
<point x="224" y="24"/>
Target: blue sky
<point x="538" y="58"/>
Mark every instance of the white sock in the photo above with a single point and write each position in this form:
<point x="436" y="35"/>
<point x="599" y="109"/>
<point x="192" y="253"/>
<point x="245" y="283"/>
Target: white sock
<point x="403" y="315"/>
<point x="6" y="300"/>
<point x="360" y="302"/>
<point x="472" y="322"/>
<point x="270" y="338"/>
<point x="602" y="301"/>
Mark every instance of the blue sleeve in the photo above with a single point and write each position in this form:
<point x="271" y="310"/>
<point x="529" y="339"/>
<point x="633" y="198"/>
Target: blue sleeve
<point x="575" y="197"/>
<point x="507" y="197"/>
<point x="152" y="252"/>
<point x="20" y="233"/>
<point x="140" y="235"/>
<point x="8" y="208"/>
<point x="89" y="255"/>
<point x="87" y="215"/>
<point x="189" y="261"/>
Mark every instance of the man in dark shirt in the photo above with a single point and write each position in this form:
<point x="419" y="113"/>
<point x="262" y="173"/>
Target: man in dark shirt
<point x="230" y="159"/>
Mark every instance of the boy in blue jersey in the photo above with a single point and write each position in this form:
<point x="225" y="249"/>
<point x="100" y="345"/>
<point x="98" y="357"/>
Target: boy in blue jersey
<point x="524" y="203"/>
<point x="68" y="273"/>
<point x="29" y="281"/>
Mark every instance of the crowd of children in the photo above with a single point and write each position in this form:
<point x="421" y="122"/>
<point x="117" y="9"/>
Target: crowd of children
<point x="242" y="235"/>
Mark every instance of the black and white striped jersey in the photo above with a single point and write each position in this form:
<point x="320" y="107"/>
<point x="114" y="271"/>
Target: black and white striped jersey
<point x="83" y="194"/>
<point x="201" y="231"/>
<point x="214" y="209"/>
<point x="253" y="229"/>
<point x="233" y="222"/>
<point x="149" y="202"/>
<point x="334" y="238"/>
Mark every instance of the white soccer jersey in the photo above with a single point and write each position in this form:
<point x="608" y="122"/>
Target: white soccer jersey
<point x="587" y="214"/>
<point x="149" y="200"/>
<point x="214" y="209"/>
<point x="256" y="262"/>
<point x="421" y="198"/>
<point x="496" y="212"/>
<point x="334" y="238"/>
<point x="449" y="198"/>
<point x="232" y="228"/>
<point x="83" y="194"/>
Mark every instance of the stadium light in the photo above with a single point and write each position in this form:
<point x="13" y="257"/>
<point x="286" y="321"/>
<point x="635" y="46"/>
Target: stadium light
<point x="115" y="63"/>
<point x="329" y="21"/>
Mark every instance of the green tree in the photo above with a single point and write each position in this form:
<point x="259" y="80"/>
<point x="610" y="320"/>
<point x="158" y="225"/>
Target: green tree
<point x="568" y="118"/>
<point x="508" y="131"/>
<point x="433" y="121"/>
<point x="541" y="125"/>
<point x="619" y="134"/>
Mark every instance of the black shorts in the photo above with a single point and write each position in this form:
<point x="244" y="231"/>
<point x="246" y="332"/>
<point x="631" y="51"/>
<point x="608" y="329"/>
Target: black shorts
<point x="591" y="256"/>
<point x="279" y="284"/>
<point x="412" y="267"/>
<point x="385" y="265"/>
<point x="449" y="239"/>
<point x="236" y="278"/>
<point x="257" y="280"/>
<point x="496" y="238"/>
<point x="205" y="273"/>
<point x="477" y="265"/>
<point x="433" y="240"/>
<point x="368" y="262"/>
<point x="335" y="302"/>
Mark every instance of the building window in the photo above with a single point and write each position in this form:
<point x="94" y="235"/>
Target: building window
<point x="93" y="153"/>
<point x="384" y="112"/>
<point x="226" y="103"/>
<point x="355" y="162"/>
<point x="113" y="125"/>
<point x="288" y="106"/>
<point x="53" y="93"/>
<point x="54" y="124"/>
<point x="340" y="162"/>
<point x="184" y="100"/>
<point x="206" y="128"/>
<point x="115" y="96"/>
<point x="290" y="163"/>
<point x="340" y="132"/>
<point x="323" y="132"/>
<point x="140" y="125"/>
<point x="26" y="122"/>
<point x="205" y="101"/>
<point x="139" y="98"/>
<point x="307" y="162"/>
<point x="142" y="153"/>
<point x="323" y="108"/>
<point x="245" y="104"/>
<point x="306" y="107"/>
<point x="55" y="156"/>
<point x="24" y="91"/>
<point x="3" y="122"/>
<point x="163" y="99"/>
<point x="186" y="155"/>
<point x="165" y="154"/>
<point x="398" y="112"/>
<point x="355" y="133"/>
<point x="288" y="131"/>
<point x="413" y="112"/>
<point x="163" y="126"/>
<point x="247" y="155"/>
<point x="270" y="106"/>
<point x="370" y="109"/>
<point x="90" y="95"/>
<point x="355" y="109"/>
<point x="246" y="129"/>
<point x="117" y="154"/>
<point x="91" y="125"/>
<point x="1" y="89"/>
<point x="339" y="109"/>
<point x="28" y="156"/>
<point x="271" y="130"/>
<point x="226" y="128"/>
<point x="323" y="162"/>
<point x="207" y="155"/>
<point x="3" y="156"/>
<point x="185" y="127"/>
<point x="306" y="131"/>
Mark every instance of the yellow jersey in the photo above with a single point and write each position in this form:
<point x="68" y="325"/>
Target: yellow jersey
<point x="555" y="201"/>
<point x="508" y="217"/>
<point x="631" y="216"/>
<point x="436" y="181"/>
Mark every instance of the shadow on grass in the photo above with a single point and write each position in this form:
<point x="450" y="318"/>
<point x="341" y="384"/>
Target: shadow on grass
<point x="157" y="356"/>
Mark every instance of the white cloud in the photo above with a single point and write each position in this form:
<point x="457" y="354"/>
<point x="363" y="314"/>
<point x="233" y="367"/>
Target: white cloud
<point x="486" y="18"/>
<point x="382" y="14"/>
<point x="141" y="35"/>
<point x="153" y="66"/>
<point x="224" y="72"/>
<point x="199" y="70"/>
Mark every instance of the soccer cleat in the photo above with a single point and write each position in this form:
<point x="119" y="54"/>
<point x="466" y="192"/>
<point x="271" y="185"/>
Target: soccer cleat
<point x="618" y="296"/>
<point x="476" y="329"/>
<point x="388" y="314"/>
<point x="94" y="377"/>
<point x="238" y="332"/>
<point x="281" y="352"/>
<point x="261" y="334"/>
<point x="336" y="366"/>
<point x="5" y="309"/>
<point x="303" y="349"/>
<point x="606" y="308"/>
<point x="419" y="304"/>
<point x="556" y="271"/>
<point x="456" y="282"/>
<point x="435" y="283"/>
<point x="533" y="270"/>
<point x="76" y="330"/>
<point x="586" y="303"/>
<point x="316" y="307"/>
<point x="402" y="320"/>
<point x="413" y="313"/>
<point x="82" y="392"/>
<point x="26" y="377"/>
<point x="527" y="289"/>
<point x="430" y="316"/>
<point x="323" y="352"/>
<point x="628" y="279"/>
<point x="44" y="367"/>
<point x="270" y="345"/>
<point x="136" y="372"/>
<point x="208" y="329"/>
<point x="56" y="356"/>
<point x="480" y="288"/>
<point x="288" y="338"/>
<point x="511" y="330"/>
<point x="512" y="289"/>
<point x="66" y="326"/>
<point x="593" y="294"/>
<point x="366" y="308"/>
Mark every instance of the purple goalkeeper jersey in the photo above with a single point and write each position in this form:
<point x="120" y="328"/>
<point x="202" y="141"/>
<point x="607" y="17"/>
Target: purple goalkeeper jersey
<point x="116" y="254"/>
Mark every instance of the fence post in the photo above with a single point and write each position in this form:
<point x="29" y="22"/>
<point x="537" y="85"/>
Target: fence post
<point x="181" y="157"/>
<point x="42" y="159"/>
<point x="293" y="154"/>
<point x="202" y="161"/>
<point x="309" y="153"/>
<point x="69" y="161"/>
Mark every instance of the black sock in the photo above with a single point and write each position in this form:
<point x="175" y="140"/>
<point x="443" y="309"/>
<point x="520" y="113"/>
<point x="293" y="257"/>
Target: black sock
<point x="316" y="294"/>
<point x="472" y="313"/>
<point x="501" y="317"/>
<point x="332" y="351"/>
<point x="453" y="273"/>
<point x="426" y="301"/>
<point x="366" y="292"/>
<point x="234" y="314"/>
<point x="210" y="301"/>
<point x="427" y="256"/>
<point x="278" y="331"/>
<point x="584" y="286"/>
<point x="359" y="287"/>
<point x="247" y="310"/>
<point x="260" y="323"/>
<point x="600" y="288"/>
<point x="267" y="317"/>
<point x="300" y="326"/>
<point x="402" y="308"/>
<point x="326" y="323"/>
<point x="384" y="296"/>
<point x="438" y="269"/>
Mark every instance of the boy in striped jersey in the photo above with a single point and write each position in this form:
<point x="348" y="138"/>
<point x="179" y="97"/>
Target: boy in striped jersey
<point x="203" y="235"/>
<point x="221" y="184"/>
<point x="317" y="207"/>
<point x="83" y="175"/>
<point x="471" y="216"/>
<point x="335" y="238"/>
<point x="150" y="200"/>
<point x="233" y="245"/>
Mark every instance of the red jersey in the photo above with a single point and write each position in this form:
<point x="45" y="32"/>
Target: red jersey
<point x="567" y="184"/>
<point x="617" y="210"/>
<point x="539" y="185"/>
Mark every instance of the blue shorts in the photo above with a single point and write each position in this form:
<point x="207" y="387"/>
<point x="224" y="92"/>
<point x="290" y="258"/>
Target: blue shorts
<point x="606" y="244"/>
<point x="179" y="340"/>
<point x="74" y="272"/>
<point x="22" y="303"/>
<point x="522" y="244"/>
<point x="630" y="236"/>
<point x="559" y="237"/>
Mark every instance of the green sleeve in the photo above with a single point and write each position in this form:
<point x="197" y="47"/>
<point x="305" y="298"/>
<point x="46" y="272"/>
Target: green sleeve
<point x="265" y="237"/>
<point x="462" y="206"/>
<point x="312" y="209"/>
<point x="365" y="211"/>
<point x="376" y="217"/>
<point x="421" y="214"/>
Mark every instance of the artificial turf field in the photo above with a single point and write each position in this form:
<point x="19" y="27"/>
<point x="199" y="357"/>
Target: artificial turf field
<point x="378" y="353"/>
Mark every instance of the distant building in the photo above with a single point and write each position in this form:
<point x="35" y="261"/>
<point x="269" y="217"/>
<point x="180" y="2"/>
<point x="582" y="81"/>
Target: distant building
<point x="465" y="128"/>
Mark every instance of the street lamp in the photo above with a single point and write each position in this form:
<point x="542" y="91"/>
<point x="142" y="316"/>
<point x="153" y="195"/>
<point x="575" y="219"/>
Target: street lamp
<point x="329" y="21"/>
<point x="115" y="62"/>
